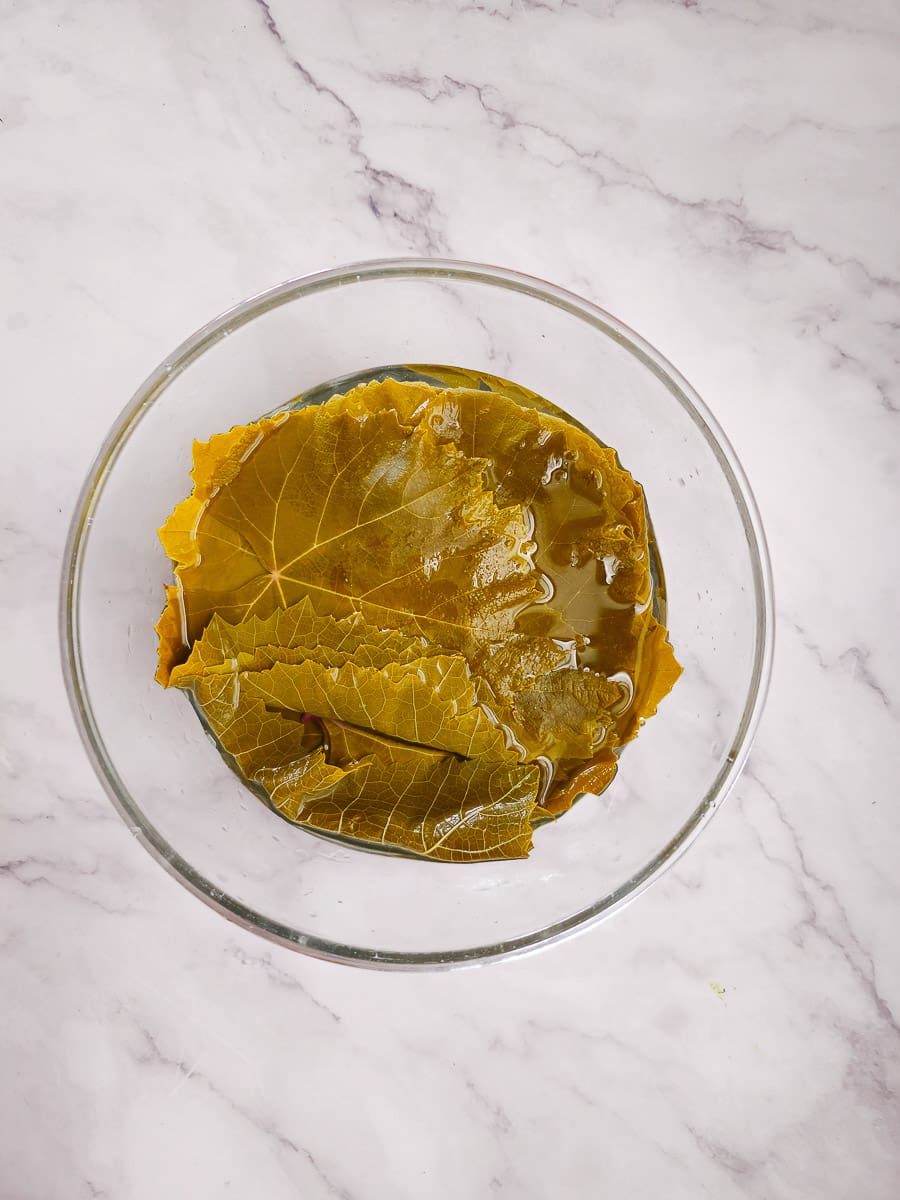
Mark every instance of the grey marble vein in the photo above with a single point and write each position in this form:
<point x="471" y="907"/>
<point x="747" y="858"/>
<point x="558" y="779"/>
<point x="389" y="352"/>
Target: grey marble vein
<point x="390" y="196"/>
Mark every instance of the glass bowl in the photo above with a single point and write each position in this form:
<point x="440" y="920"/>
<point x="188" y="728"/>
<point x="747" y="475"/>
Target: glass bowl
<point x="335" y="901"/>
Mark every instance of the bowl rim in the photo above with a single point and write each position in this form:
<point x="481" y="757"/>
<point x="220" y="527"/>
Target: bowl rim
<point x="203" y="340"/>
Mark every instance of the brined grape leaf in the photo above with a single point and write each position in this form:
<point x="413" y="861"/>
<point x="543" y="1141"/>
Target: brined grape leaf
<point x="432" y="701"/>
<point x="292" y="635"/>
<point x="594" y="776"/>
<point x="256" y="738"/>
<point x="655" y="671"/>
<point x="169" y="628"/>
<point x="216" y="464"/>
<point x="431" y="803"/>
<point x="439" y="807"/>
<point x="352" y="508"/>
<point x="568" y="713"/>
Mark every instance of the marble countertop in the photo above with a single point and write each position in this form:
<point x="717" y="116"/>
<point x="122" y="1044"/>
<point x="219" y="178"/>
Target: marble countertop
<point x="724" y="175"/>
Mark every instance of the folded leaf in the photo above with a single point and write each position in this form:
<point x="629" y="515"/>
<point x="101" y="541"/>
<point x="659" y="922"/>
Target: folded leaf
<point x="169" y="628"/>
<point x="431" y="702"/>
<point x="594" y="776"/>
<point x="440" y="807"/>
<point x="293" y="635"/>
<point x="257" y="739"/>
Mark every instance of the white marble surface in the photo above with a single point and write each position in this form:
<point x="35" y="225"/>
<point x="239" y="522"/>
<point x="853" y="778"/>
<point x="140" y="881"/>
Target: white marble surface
<point x="725" y="176"/>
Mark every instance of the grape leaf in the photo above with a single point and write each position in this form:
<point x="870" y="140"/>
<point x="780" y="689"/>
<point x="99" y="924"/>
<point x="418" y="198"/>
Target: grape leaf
<point x="170" y="629"/>
<point x="351" y="508"/>
<point x="411" y="797"/>
<point x="256" y="738"/>
<point x="593" y="776"/>
<point x="292" y="635"/>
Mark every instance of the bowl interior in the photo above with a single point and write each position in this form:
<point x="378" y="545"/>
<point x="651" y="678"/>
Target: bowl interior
<point x="167" y="777"/>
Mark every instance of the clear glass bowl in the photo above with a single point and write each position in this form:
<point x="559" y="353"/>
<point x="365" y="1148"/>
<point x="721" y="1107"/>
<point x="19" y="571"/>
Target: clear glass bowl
<point x="167" y="779"/>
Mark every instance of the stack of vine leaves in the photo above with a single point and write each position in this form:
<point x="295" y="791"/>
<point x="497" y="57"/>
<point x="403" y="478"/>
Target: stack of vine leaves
<point x="416" y="617"/>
